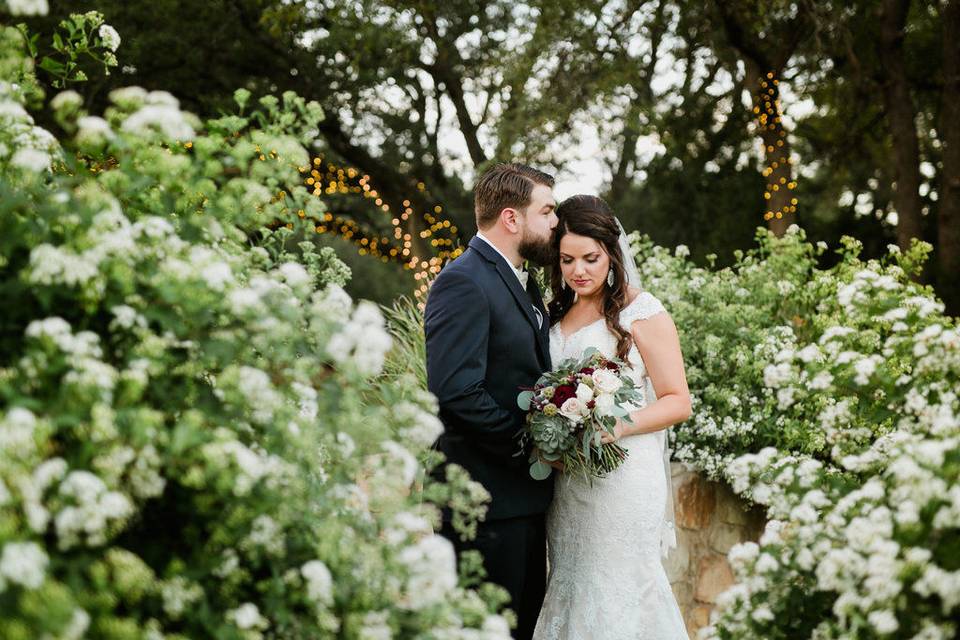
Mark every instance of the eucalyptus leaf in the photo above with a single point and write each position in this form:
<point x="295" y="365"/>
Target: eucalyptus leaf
<point x="540" y="470"/>
<point x="523" y="400"/>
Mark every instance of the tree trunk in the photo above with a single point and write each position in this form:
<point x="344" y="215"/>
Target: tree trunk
<point x="901" y="115"/>
<point x="628" y="152"/>
<point x="948" y="220"/>
<point x="780" y="204"/>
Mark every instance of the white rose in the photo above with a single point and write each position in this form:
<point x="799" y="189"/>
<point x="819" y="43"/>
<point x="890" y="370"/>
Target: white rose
<point x="584" y="393"/>
<point x="604" y="404"/>
<point x="606" y="381"/>
<point x="573" y="410"/>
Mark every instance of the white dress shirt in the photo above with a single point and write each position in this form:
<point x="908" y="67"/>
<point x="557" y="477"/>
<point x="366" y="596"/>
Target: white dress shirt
<point x="522" y="275"/>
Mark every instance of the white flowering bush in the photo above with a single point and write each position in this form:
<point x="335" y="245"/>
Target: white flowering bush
<point x="195" y="440"/>
<point x="830" y="398"/>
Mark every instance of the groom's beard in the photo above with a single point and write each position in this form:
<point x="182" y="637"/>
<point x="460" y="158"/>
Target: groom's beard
<point x="537" y="250"/>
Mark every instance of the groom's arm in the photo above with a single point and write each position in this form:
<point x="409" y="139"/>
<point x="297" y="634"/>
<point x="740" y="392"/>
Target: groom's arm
<point x="456" y="323"/>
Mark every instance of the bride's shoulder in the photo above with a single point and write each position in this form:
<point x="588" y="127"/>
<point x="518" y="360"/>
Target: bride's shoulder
<point x="640" y="306"/>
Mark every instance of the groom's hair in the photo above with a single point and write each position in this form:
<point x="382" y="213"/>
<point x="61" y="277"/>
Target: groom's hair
<point x="505" y="185"/>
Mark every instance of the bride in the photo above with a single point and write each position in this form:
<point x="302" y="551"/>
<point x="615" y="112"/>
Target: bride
<point x="605" y="539"/>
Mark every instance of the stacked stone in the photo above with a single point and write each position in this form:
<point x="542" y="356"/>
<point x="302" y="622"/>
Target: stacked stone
<point x="710" y="520"/>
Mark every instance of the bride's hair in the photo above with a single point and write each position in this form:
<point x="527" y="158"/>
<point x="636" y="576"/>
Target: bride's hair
<point x="590" y="216"/>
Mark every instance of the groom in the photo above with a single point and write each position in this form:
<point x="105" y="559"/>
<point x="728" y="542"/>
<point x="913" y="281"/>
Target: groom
<point x="486" y="337"/>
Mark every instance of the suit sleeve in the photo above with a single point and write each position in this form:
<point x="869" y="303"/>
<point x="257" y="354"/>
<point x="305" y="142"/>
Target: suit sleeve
<point x="456" y="323"/>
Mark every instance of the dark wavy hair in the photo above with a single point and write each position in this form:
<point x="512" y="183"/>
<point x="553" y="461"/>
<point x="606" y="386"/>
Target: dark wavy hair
<point x="590" y="216"/>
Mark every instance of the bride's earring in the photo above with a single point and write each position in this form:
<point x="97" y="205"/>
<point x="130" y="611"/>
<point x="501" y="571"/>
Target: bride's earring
<point x="563" y="284"/>
<point x="610" y="277"/>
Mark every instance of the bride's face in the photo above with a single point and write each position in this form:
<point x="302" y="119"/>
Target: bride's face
<point x="584" y="264"/>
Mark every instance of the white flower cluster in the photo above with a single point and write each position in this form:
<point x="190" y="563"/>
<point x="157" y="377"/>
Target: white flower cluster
<point x="405" y="526"/>
<point x="23" y="563"/>
<point x="17" y="433"/>
<point x="259" y="393"/>
<point x="363" y="341"/>
<point x="22" y="144"/>
<point x="861" y="515"/>
<point x="158" y="113"/>
<point x="94" y="508"/>
<point x="419" y="427"/>
<point x="196" y="376"/>
<point x="319" y="582"/>
<point x="248" y="465"/>
<point x="109" y="36"/>
<point x="112" y="236"/>
<point x="140" y="469"/>
<point x="432" y="572"/>
<point x="266" y="534"/>
<point x="178" y="595"/>
<point x="247" y="617"/>
<point x="28" y="7"/>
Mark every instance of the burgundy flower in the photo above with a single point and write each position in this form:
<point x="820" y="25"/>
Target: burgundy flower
<point x="563" y="393"/>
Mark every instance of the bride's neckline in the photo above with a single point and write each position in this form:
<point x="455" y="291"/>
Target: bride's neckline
<point x="566" y="338"/>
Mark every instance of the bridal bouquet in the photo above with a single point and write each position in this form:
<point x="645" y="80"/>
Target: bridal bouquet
<point x="568" y="408"/>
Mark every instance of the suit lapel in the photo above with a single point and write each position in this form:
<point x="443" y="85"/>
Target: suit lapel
<point x="523" y="299"/>
<point x="543" y="334"/>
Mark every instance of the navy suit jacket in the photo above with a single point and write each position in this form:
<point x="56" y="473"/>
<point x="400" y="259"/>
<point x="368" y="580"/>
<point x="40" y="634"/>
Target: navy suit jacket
<point x="483" y="346"/>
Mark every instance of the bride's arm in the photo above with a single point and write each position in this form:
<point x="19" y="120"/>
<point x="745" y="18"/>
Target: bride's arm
<point x="659" y="346"/>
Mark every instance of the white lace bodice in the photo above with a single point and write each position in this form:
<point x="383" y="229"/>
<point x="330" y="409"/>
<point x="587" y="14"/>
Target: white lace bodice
<point x="596" y="334"/>
<point x="605" y="537"/>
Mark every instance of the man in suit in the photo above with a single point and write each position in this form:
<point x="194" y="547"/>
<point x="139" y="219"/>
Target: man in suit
<point x="486" y="338"/>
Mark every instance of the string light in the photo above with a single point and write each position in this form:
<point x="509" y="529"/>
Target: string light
<point x="329" y="179"/>
<point x="767" y="109"/>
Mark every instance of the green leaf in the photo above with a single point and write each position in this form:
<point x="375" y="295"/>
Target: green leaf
<point x="51" y="65"/>
<point x="620" y="412"/>
<point x="540" y="470"/>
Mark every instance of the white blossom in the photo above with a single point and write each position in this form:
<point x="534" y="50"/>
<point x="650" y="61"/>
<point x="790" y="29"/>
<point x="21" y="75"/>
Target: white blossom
<point x="167" y="120"/>
<point x="31" y="160"/>
<point x="247" y="616"/>
<point x="885" y="622"/>
<point x="178" y="595"/>
<point x="28" y="7"/>
<point x="23" y="563"/>
<point x="432" y="571"/>
<point x="93" y="130"/>
<point x="110" y="37"/>
<point x="319" y="582"/>
<point x="68" y="99"/>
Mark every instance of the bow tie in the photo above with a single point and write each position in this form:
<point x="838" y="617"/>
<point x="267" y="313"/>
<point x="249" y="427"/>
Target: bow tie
<point x="523" y="275"/>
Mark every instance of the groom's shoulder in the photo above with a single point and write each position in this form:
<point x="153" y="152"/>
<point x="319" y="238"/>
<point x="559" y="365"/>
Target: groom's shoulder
<point x="467" y="264"/>
<point x="465" y="274"/>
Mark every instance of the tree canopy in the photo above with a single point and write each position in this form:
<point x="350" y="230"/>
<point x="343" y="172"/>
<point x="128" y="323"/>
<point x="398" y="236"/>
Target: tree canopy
<point x="709" y="116"/>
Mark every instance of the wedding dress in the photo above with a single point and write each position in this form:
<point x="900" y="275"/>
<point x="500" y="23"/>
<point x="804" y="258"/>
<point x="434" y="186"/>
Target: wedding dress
<point x="605" y="539"/>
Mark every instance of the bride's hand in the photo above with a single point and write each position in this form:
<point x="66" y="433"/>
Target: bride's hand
<point x="618" y="431"/>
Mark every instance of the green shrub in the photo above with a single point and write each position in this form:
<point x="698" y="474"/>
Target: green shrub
<point x="195" y="440"/>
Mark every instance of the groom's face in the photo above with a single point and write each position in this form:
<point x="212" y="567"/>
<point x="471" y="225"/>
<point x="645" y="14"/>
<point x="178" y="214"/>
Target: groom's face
<point x="538" y="222"/>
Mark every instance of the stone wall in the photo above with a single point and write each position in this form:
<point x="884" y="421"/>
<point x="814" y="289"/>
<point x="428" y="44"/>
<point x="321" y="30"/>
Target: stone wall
<point x="710" y="520"/>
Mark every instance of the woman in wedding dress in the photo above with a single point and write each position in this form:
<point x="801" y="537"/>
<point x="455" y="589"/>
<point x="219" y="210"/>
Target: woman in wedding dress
<point x="605" y="538"/>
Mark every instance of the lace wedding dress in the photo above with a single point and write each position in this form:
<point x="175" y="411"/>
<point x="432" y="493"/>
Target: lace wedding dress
<point x="607" y="580"/>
